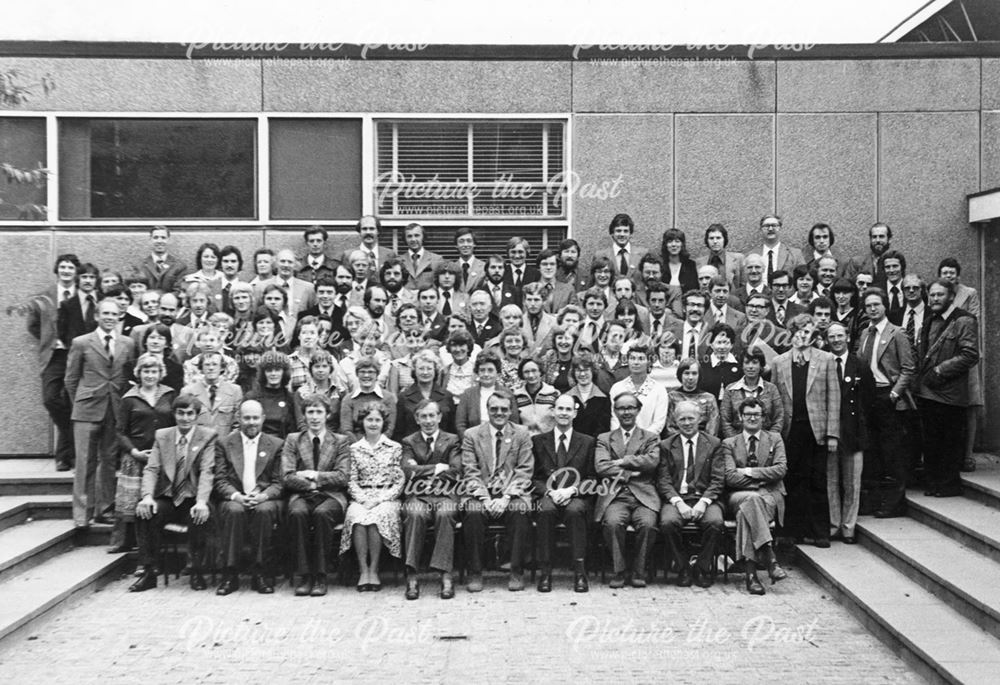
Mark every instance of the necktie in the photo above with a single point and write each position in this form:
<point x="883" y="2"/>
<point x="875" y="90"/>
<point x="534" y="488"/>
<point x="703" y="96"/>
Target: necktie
<point x="626" y="436"/>
<point x="517" y="278"/>
<point x="840" y="369"/>
<point x="656" y="327"/>
<point x="88" y="314"/>
<point x="689" y="472"/>
<point x="496" y="452"/>
<point x="894" y="302"/>
<point x="66" y="295"/>
<point x="716" y="261"/>
<point x="870" y="343"/>
<point x="911" y="325"/>
<point x="415" y="258"/>
<point x="161" y="265"/>
<point x="622" y="262"/>
<point x="394" y="304"/>
<point x="315" y="452"/>
<point x="446" y="309"/>
<point x="561" y="452"/>
<point x="692" y="344"/>
<point x="780" y="314"/>
<point x="497" y="295"/>
<point x="212" y="390"/>
<point x="752" y="457"/>
<point x="180" y="474"/>
<point x="465" y="274"/>
<point x="225" y="294"/>
<point x="770" y="265"/>
<point x="107" y="346"/>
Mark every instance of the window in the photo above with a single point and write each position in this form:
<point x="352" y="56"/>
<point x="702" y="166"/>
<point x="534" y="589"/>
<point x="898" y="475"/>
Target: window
<point x="489" y="240"/>
<point x="485" y="169"/>
<point x="157" y="168"/>
<point x="22" y="169"/>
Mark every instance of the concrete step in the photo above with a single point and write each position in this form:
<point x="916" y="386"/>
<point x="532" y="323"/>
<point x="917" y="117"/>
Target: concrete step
<point x="32" y="594"/>
<point x="968" y="521"/>
<point x="959" y="575"/>
<point x="15" y="510"/>
<point x="937" y="641"/>
<point x="983" y="484"/>
<point x="21" y="477"/>
<point x="29" y="544"/>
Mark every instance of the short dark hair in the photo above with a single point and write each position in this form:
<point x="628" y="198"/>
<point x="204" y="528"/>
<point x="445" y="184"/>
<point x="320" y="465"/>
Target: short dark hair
<point x="464" y="231"/>
<point x="567" y="243"/>
<point x="780" y="273"/>
<point x="893" y="254"/>
<point x="621" y="220"/>
<point x="231" y="249"/>
<point x="754" y="353"/>
<point x="818" y="226"/>
<point x="186" y="401"/>
<point x="313" y="230"/>
<point x="722" y="329"/>
<point x="880" y="224"/>
<point x="66" y="257"/>
<point x="719" y="228"/>
<point x="163" y="330"/>
<point x="821" y="302"/>
<point x="879" y="292"/>
<point x="488" y="357"/>
<point x="750" y="403"/>
<point x="391" y="263"/>
<point x="950" y="262"/>
<point x="545" y="254"/>
<point x="378" y="224"/>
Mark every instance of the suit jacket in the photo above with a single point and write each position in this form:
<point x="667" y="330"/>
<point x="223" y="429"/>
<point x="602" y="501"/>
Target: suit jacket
<point x="857" y="393"/>
<point x="968" y="299"/>
<point x="510" y="475"/>
<point x="333" y="469"/>
<point x="181" y="340"/>
<point x="166" y="281"/>
<point x="229" y="466"/>
<point x="766" y="476"/>
<point x="159" y="475"/>
<point x="436" y="328"/>
<point x="72" y="321"/>
<point x="418" y="463"/>
<point x="846" y="267"/>
<point x="640" y="458"/>
<point x="895" y="360"/>
<point x="467" y="413"/>
<point x="786" y="259"/>
<point x="43" y="323"/>
<point x="562" y="294"/>
<point x="732" y="267"/>
<point x="530" y="275"/>
<point x="734" y="319"/>
<point x="822" y="393"/>
<point x="577" y="466"/>
<point x="308" y="273"/>
<point x="742" y="295"/>
<point x="792" y="309"/>
<point x="384" y="255"/>
<point x="491" y="329"/>
<point x="477" y="274"/>
<point x="302" y="297"/>
<point x="459" y="303"/>
<point x="535" y="343"/>
<point x="677" y="330"/>
<point x="221" y="416"/>
<point x="635" y="256"/>
<point x="576" y="279"/>
<point x="406" y="409"/>
<point x="944" y="363"/>
<point x="421" y="275"/>
<point x="93" y="384"/>
<point x="709" y="468"/>
<point x="507" y="295"/>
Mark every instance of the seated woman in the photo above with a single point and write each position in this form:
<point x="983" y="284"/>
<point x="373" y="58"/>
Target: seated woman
<point x="722" y="367"/>
<point x="511" y="319"/>
<point x="320" y="382"/>
<point x="754" y="494"/>
<point x="511" y="350"/>
<point x="158" y="341"/>
<point x="688" y="373"/>
<point x="459" y="374"/>
<point x="593" y="414"/>
<point x="366" y="341"/>
<point x="751" y="385"/>
<point x="534" y="398"/>
<point x="426" y="369"/>
<point x="273" y="394"/>
<point x="368" y="390"/>
<point x="556" y="363"/>
<point x="375" y="488"/>
<point x="143" y="410"/>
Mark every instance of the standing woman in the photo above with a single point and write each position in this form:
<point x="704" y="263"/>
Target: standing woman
<point x="846" y="312"/>
<point x="680" y="272"/>
<point x="273" y="373"/>
<point x="375" y="487"/>
<point x="143" y="410"/>
<point x="207" y="262"/>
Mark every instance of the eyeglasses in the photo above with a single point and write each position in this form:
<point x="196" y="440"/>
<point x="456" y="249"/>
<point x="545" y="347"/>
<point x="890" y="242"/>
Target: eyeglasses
<point x="499" y="410"/>
<point x="911" y="287"/>
<point x="630" y="407"/>
<point x="752" y="414"/>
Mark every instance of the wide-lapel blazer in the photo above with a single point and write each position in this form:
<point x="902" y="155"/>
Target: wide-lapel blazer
<point x="223" y="415"/>
<point x="895" y="358"/>
<point x="423" y="274"/>
<point x="332" y="471"/>
<point x="857" y="393"/>
<point x="562" y="294"/>
<point x="477" y="273"/>
<point x="635" y="255"/>
<point x="229" y="466"/>
<point x="822" y="393"/>
<point x="786" y="259"/>
<point x="539" y="341"/>
<point x="419" y="463"/>
<point x="530" y="275"/>
<point x="165" y="281"/>
<point x="72" y="322"/>
<point x="676" y="329"/>
<point x="467" y="412"/>
<point x="578" y="465"/>
<point x="491" y="329"/>
<point x="161" y="469"/>
<point x="709" y="467"/>
<point x="43" y="323"/>
<point x="640" y="458"/>
<point x="732" y="267"/>
<point x="91" y="381"/>
<point x="767" y="476"/>
<point x="512" y="472"/>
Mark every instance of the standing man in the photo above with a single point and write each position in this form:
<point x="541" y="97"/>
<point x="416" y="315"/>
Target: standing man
<point x="720" y="309"/>
<point x="623" y="255"/>
<point x="451" y="300"/>
<point x="394" y="277"/>
<point x="176" y="486"/>
<point x="419" y="263"/>
<point x="301" y="295"/>
<point x="485" y="325"/>
<point x="162" y="270"/>
<point x="97" y="371"/>
<point x="879" y="240"/>
<point x="564" y="459"/>
<point x="432" y="462"/>
<point x="76" y="313"/>
<point x="893" y="267"/>
<point x="777" y="257"/>
<point x="949" y="350"/>
<point x="315" y="263"/>
<point x="821" y="239"/>
<point x="472" y="270"/>
<point x="754" y="282"/>
<point x="810" y="392"/>
<point x="317" y="466"/>
<point x="230" y="264"/>
<point x="569" y="266"/>
<point x="692" y="331"/>
<point x="660" y="316"/>
<point x="497" y="465"/>
<point x="368" y="228"/>
<point x="728" y="264"/>
<point x="501" y="293"/>
<point x="555" y="294"/>
<point x="537" y="324"/>
<point x="826" y="273"/>
<point x="914" y="297"/>
<point x="43" y="325"/>
<point x="885" y="349"/>
<point x="248" y="486"/>
<point x="782" y="309"/>
<point x="517" y="273"/>
<point x="629" y="457"/>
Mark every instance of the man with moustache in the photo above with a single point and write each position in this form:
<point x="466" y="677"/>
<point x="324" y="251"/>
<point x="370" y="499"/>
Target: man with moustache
<point x="394" y="277"/>
<point x="181" y="336"/>
<point x="368" y="228"/>
<point x="501" y="293"/>
<point x="569" y="266"/>
<point x="879" y="240"/>
<point x="821" y="239"/>
<point x="230" y="264"/>
<point x="727" y="263"/>
<point x="692" y="331"/>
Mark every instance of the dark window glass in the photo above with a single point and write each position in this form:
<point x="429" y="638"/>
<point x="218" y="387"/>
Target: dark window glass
<point x="489" y="239"/>
<point x="22" y="165"/>
<point x="157" y="169"/>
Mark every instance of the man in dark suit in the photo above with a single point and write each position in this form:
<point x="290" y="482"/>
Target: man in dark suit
<point x="623" y="255"/>
<point x="690" y="478"/>
<point x="43" y="325"/>
<point x="97" y="371"/>
<point x="885" y="349"/>
<point x="810" y="392"/>
<point x="315" y="262"/>
<point x="230" y="264"/>
<point x="949" y="349"/>
<point x="419" y="262"/>
<point x="782" y="310"/>
<point x="692" y="333"/>
<point x="176" y="486"/>
<point x="76" y="314"/>
<point x="628" y="457"/>
<point x="162" y="270"/>
<point x="432" y="462"/>
<point x="435" y="325"/>
<point x="484" y="325"/>
<point x="317" y="465"/>
<point x="501" y="293"/>
<point x="893" y="267"/>
<point x="368" y="228"/>
<point x="755" y="495"/>
<point x="843" y="474"/>
<point x="497" y="465"/>
<point x="564" y="459"/>
<point x="517" y="273"/>
<point x="471" y="269"/>
<point x="248" y="487"/>
<point x="754" y="279"/>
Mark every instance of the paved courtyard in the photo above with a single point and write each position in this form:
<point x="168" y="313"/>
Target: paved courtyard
<point x="794" y="634"/>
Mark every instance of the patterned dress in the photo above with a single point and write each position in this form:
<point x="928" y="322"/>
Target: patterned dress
<point x="376" y="476"/>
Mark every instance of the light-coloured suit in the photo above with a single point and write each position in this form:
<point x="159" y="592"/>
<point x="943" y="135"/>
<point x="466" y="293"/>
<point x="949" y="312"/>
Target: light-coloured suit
<point x="421" y="274"/>
<point x="221" y="416"/>
<point x="561" y="295"/>
<point x="757" y="499"/>
<point x="468" y="414"/>
<point x="169" y="279"/>
<point x="476" y="275"/>
<point x="732" y="269"/>
<point x="785" y="259"/>
<point x="301" y="297"/>
<point x="537" y="342"/>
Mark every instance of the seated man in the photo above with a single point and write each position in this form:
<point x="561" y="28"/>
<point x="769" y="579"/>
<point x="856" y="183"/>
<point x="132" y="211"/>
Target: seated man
<point x="690" y="478"/>
<point x="564" y="458"/>
<point x="248" y="485"/>
<point x="176" y="485"/>
<point x="755" y="493"/>
<point x="497" y="464"/>
<point x="629" y="458"/>
<point x="432" y="463"/>
<point x="317" y="465"/>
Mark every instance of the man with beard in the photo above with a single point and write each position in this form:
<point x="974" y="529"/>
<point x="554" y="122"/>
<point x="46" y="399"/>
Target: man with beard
<point x="500" y="292"/>
<point x="472" y="270"/>
<point x="729" y="264"/>
<point x="181" y="336"/>
<point x="375" y="301"/>
<point x="651" y="273"/>
<point x="569" y="265"/>
<point x="394" y="276"/>
<point x="879" y="240"/>
<point x="485" y="325"/>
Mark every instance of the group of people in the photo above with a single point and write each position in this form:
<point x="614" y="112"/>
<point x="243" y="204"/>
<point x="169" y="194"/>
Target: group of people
<point x="397" y="394"/>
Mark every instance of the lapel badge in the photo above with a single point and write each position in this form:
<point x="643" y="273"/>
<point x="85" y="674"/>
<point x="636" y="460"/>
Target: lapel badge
<point x="262" y="454"/>
<point x="848" y="379"/>
<point x="281" y="404"/>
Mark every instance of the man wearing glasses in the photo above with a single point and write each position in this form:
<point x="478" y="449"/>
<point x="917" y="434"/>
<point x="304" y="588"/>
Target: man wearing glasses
<point x="782" y="310"/>
<point x="777" y="257"/>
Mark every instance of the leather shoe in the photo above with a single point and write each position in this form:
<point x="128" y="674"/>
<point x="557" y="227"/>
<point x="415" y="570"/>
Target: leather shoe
<point x="684" y="576"/>
<point x="949" y="492"/>
<point x="516" y="582"/>
<point x="63" y="466"/>
<point x="775" y="572"/>
<point x="545" y="582"/>
<point x="198" y="581"/>
<point x="412" y="587"/>
<point x="617" y="581"/>
<point x="475" y="583"/>
<point x="638" y="581"/>
<point x="968" y="465"/>
<point x="319" y="586"/>
<point x="118" y="549"/>
<point x="580" y="583"/>
<point x="147" y="581"/>
<point x="888" y="513"/>
<point x="104" y="520"/>
<point x="305" y="586"/>
<point x="702" y="579"/>
<point x="230" y="584"/>
<point x="447" y="586"/>
<point x="822" y="543"/>
<point x="930" y="493"/>
<point x="261" y="585"/>
<point x="754" y="586"/>
<point x="850" y="540"/>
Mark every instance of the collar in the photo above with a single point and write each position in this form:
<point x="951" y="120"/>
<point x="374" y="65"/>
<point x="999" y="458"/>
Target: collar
<point x="842" y="358"/>
<point x="894" y="286"/>
<point x="433" y="436"/>
<point x="321" y="436"/>
<point x="880" y="326"/>
<point x="741" y="384"/>
<point x="165" y="257"/>
<point x="189" y="435"/>
<point x="693" y="438"/>
<point x="558" y="433"/>
<point x="805" y="354"/>
<point x="60" y="289"/>
<point x="946" y="314"/>
<point x="747" y="436"/>
<point x="494" y="431"/>
<point x="377" y="390"/>
<point x="754" y="289"/>
<point x="249" y="441"/>
<point x="160" y="390"/>
<point x="627" y="247"/>
<point x="418" y="254"/>
<point x="777" y="246"/>
<point x="819" y="255"/>
<point x="688" y="327"/>
<point x="730" y="358"/>
<point x="919" y="309"/>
